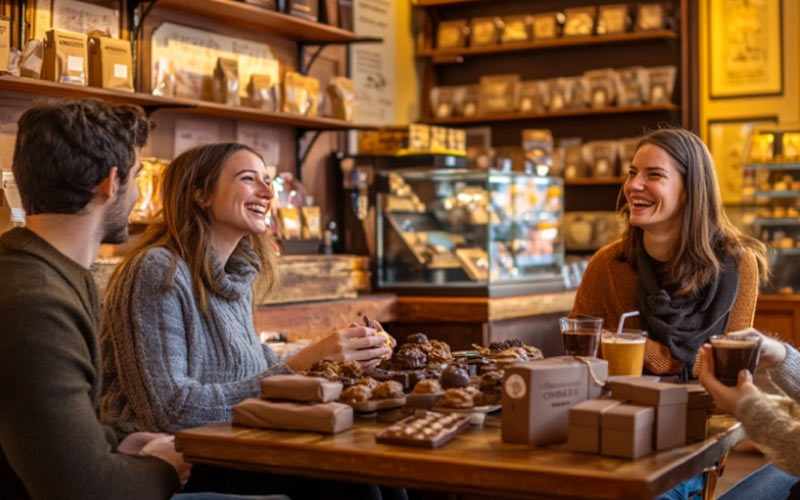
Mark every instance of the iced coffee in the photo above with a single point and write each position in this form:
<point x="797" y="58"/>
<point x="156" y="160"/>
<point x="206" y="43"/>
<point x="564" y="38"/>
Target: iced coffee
<point x="624" y="352"/>
<point x="733" y="353"/>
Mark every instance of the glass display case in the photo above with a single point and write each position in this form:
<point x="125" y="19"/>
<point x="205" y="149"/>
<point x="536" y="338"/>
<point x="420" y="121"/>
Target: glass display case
<point x="466" y="232"/>
<point x="771" y="192"/>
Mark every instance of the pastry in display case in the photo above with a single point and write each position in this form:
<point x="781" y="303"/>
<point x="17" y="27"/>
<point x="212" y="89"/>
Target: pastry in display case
<point x="771" y="194"/>
<point x="460" y="232"/>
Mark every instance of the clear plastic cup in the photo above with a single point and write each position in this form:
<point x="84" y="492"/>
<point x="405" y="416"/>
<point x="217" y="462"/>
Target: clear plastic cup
<point x="581" y="336"/>
<point x="624" y="351"/>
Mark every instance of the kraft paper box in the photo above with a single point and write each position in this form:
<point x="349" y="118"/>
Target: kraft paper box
<point x="584" y="424"/>
<point x="300" y="388"/>
<point x="5" y="42"/>
<point x="65" y="57"/>
<point x="110" y="63"/>
<point x="626" y="431"/>
<point x="699" y="398"/>
<point x="669" y="402"/>
<point x="321" y="417"/>
<point x="537" y="396"/>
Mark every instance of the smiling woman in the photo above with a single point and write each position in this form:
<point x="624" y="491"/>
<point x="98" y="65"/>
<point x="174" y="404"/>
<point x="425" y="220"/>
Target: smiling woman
<point x="681" y="263"/>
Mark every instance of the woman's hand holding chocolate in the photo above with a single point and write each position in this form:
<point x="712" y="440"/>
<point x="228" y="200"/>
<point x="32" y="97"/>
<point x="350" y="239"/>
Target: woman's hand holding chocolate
<point x="726" y="398"/>
<point x="355" y="343"/>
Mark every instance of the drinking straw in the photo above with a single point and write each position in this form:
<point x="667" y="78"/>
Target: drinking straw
<point x="622" y="320"/>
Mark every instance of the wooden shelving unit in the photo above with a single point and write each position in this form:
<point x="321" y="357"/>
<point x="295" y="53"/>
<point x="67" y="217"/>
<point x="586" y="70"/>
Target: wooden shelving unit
<point x="594" y="181"/>
<point x="248" y="16"/>
<point x="188" y="106"/>
<point x="442" y="3"/>
<point x="566" y="113"/>
<point x="444" y="56"/>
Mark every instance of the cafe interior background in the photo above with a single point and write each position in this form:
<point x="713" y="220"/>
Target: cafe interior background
<point x="461" y="174"/>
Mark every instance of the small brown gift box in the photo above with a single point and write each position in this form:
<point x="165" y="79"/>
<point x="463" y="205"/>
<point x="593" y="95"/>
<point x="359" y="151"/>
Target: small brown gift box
<point x="622" y="388"/>
<point x="300" y="388"/>
<point x="322" y="417"/>
<point x="701" y="405"/>
<point x="584" y="424"/>
<point x="537" y="396"/>
<point x="626" y="431"/>
<point x="669" y="402"/>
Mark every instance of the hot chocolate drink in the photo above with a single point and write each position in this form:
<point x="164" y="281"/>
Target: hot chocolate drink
<point x="581" y="342"/>
<point x="733" y="354"/>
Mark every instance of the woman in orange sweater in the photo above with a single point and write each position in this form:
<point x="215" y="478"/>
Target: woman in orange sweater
<point x="680" y="262"/>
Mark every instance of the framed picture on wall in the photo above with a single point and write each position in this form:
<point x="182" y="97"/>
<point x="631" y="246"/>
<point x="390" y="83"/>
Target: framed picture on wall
<point x="745" y="48"/>
<point x="727" y="140"/>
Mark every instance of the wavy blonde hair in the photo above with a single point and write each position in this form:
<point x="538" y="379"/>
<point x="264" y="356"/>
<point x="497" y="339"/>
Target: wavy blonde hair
<point x="184" y="226"/>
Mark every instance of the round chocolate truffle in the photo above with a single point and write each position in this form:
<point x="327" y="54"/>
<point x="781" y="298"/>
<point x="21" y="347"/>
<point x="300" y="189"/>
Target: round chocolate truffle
<point x="454" y="377"/>
<point x="412" y="358"/>
<point x="417" y="338"/>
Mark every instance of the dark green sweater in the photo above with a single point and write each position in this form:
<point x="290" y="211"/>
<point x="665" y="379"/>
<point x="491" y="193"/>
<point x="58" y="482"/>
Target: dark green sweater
<point x="51" y="442"/>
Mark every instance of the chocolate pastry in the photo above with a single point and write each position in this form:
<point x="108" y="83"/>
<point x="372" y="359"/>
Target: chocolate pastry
<point x="433" y="373"/>
<point x="439" y="352"/>
<point x="454" y="376"/>
<point x="411" y="357"/>
<point x="505" y="344"/>
<point x="390" y="341"/>
<point x="477" y="395"/>
<point x="356" y="394"/>
<point x="513" y="352"/>
<point x="457" y="398"/>
<point x="350" y="369"/>
<point x="367" y="381"/>
<point x="388" y="390"/>
<point x="489" y="367"/>
<point x="428" y="386"/>
<point x="417" y="338"/>
<point x="381" y="374"/>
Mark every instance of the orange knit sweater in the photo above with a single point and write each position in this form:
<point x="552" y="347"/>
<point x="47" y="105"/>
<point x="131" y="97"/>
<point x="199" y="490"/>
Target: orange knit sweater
<point x="608" y="289"/>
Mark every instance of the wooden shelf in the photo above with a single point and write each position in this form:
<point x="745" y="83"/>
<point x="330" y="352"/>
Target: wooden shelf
<point x="503" y="117"/>
<point x="772" y="166"/>
<point x="190" y="106"/>
<point x="441" y="3"/>
<point x="594" y="181"/>
<point x="444" y="56"/>
<point x="254" y="17"/>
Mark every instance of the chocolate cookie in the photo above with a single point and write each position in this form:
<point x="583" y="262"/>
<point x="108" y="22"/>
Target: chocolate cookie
<point x="356" y="394"/>
<point x="367" y="381"/>
<point x="411" y="357"/>
<point x="387" y="390"/>
<point x="456" y="398"/>
<point x="453" y="377"/>
<point x="417" y="338"/>
<point x="427" y="386"/>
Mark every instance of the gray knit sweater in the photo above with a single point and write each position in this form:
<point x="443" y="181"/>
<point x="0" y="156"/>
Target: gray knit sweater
<point x="166" y="366"/>
<point x="773" y="423"/>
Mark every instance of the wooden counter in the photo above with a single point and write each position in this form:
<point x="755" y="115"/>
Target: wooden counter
<point x="779" y="314"/>
<point x="463" y="321"/>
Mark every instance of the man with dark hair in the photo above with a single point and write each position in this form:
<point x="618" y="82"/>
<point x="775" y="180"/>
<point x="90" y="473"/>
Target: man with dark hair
<point x="75" y="164"/>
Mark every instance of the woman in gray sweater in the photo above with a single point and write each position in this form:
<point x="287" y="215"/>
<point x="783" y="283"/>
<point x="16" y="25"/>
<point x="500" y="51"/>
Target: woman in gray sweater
<point x="177" y="334"/>
<point x="771" y="422"/>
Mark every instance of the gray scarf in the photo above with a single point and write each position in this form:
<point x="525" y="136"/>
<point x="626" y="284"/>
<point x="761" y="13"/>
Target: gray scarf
<point x="683" y="324"/>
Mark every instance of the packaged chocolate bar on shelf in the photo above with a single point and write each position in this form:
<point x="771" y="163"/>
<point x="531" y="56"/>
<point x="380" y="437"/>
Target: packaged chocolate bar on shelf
<point x="547" y="25"/>
<point x="300" y="94"/>
<point x="602" y="87"/>
<point x="579" y="21"/>
<point x="533" y="97"/>
<point x="65" y="55"/>
<point x="342" y="93"/>
<point x="443" y="101"/>
<point x="498" y="94"/>
<point x="661" y="81"/>
<point x="601" y="158"/>
<point x="452" y="34"/>
<point x="466" y="100"/>
<point x="226" y="81"/>
<point x="110" y="63"/>
<point x="632" y="86"/>
<point x="424" y="429"/>
<point x="516" y="28"/>
<point x="613" y="19"/>
<point x="650" y="16"/>
<point x="485" y="31"/>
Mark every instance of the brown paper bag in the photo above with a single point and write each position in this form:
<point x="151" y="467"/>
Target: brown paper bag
<point x="226" y="81"/>
<point x="65" y="57"/>
<point x="300" y="94"/>
<point x="342" y="92"/>
<point x="110" y="63"/>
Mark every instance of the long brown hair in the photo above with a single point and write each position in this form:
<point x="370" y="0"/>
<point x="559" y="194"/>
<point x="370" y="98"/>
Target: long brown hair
<point x="706" y="231"/>
<point x="184" y="226"/>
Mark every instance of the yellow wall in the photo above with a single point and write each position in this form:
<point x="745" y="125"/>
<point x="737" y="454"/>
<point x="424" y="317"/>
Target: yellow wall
<point x="785" y="107"/>
<point x="407" y="99"/>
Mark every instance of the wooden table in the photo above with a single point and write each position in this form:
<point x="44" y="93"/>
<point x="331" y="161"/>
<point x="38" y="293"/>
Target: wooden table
<point x="476" y="461"/>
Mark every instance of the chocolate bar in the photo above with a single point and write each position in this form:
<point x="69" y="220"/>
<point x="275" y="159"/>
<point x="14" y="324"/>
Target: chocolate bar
<point x="424" y="429"/>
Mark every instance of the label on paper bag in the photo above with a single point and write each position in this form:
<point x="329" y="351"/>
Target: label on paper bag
<point x="74" y="63"/>
<point x="120" y="71"/>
